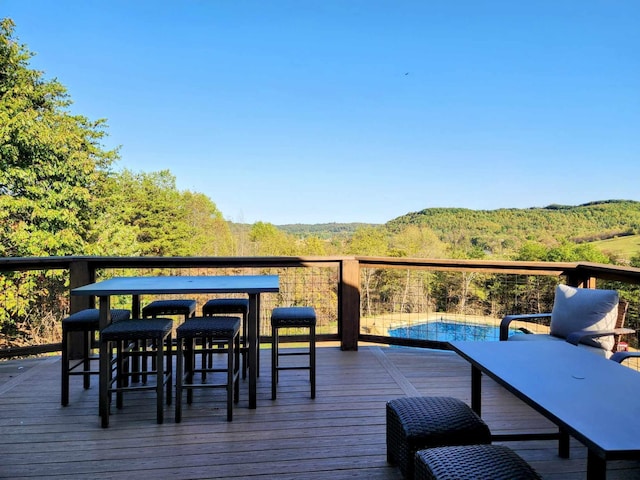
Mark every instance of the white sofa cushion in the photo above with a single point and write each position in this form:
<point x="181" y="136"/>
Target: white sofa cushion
<point x="578" y="309"/>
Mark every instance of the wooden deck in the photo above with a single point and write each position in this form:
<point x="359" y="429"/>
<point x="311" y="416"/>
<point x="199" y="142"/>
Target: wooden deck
<point x="339" y="435"/>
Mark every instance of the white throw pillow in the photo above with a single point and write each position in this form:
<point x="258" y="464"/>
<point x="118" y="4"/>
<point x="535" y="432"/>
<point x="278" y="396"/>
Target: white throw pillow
<point x="576" y="309"/>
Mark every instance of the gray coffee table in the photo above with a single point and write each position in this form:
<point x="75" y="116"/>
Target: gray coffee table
<point x="593" y="399"/>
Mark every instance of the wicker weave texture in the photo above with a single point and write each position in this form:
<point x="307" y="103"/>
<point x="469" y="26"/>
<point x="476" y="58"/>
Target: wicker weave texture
<point x="169" y="307"/>
<point x="293" y="317"/>
<point x="472" y="462"/>
<point x="226" y="305"/>
<point x="89" y="319"/>
<point x="138" y="329"/>
<point x="222" y="328"/>
<point x="414" y="423"/>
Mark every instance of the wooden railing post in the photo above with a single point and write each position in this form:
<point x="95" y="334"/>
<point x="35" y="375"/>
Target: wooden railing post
<point x="80" y="273"/>
<point x="349" y="304"/>
<point x="581" y="281"/>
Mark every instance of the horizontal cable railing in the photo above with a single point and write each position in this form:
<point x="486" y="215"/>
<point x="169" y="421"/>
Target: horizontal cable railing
<point x="385" y="300"/>
<point x="36" y="291"/>
<point x="310" y="285"/>
<point x="427" y="303"/>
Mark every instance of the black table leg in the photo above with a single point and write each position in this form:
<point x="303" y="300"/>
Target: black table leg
<point x="254" y="305"/>
<point x="105" y="362"/>
<point x="476" y="389"/>
<point x="563" y="444"/>
<point x="596" y="467"/>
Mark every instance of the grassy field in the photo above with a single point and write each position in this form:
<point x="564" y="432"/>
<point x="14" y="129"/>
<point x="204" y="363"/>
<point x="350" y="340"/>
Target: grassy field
<point x="625" y="247"/>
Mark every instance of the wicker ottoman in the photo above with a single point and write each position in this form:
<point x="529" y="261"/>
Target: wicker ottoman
<point x="472" y="462"/>
<point x="415" y="423"/>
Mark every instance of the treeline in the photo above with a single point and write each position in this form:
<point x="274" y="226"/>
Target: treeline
<point x="503" y="231"/>
<point x="60" y="194"/>
<point x="561" y="233"/>
<point x="325" y="231"/>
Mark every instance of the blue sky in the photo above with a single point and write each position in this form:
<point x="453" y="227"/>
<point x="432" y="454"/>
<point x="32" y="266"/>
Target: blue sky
<point x="314" y="111"/>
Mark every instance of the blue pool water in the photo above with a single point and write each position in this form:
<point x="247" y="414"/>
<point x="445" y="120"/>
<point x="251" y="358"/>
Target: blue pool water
<point x="447" y="331"/>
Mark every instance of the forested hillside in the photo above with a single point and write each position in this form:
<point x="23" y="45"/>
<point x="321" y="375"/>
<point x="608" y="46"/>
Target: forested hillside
<point x="554" y="233"/>
<point x="508" y="229"/>
<point x="323" y="230"/>
<point x="60" y="194"/>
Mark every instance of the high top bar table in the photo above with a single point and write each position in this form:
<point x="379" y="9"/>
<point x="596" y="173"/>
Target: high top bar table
<point x="253" y="285"/>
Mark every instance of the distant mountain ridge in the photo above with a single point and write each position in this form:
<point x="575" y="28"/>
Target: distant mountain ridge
<point x="323" y="230"/>
<point x="506" y="227"/>
<point x="591" y="221"/>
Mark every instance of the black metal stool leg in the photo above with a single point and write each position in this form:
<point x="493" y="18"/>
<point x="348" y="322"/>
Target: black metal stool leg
<point x="86" y="360"/>
<point x="123" y="334"/>
<point x="274" y="361"/>
<point x="179" y="380"/>
<point x="159" y="380"/>
<point x="65" y="369"/>
<point x="219" y="336"/>
<point x="169" y="369"/>
<point x="312" y="360"/>
<point x="292" y="317"/>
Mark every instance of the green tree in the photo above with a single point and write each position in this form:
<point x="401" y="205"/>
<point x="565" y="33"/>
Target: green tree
<point x="531" y="252"/>
<point x="312" y="245"/>
<point x="112" y="233"/>
<point x="211" y="235"/>
<point x="52" y="167"/>
<point x="570" y="252"/>
<point x="52" y="163"/>
<point x="149" y="205"/>
<point x="267" y="240"/>
<point x="370" y="241"/>
<point x="418" y="241"/>
<point x="157" y="219"/>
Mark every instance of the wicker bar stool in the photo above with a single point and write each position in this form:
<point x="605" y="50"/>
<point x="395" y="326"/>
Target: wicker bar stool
<point x="293" y="317"/>
<point x="472" y="462"/>
<point x="227" y="306"/>
<point x="156" y="332"/>
<point x="165" y="308"/>
<point x="87" y="323"/>
<point x="415" y="423"/>
<point x="225" y="331"/>
<point x="159" y="308"/>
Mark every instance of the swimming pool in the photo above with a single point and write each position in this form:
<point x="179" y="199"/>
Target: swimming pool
<point x="444" y="331"/>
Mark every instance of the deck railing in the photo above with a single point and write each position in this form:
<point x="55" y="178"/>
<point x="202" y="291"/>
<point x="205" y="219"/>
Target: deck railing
<point x="435" y="301"/>
<point x="357" y="298"/>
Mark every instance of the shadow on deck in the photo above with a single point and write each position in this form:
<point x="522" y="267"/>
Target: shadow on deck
<point x="339" y="435"/>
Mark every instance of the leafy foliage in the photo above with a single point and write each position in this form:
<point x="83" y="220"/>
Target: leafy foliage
<point x="145" y="214"/>
<point x="59" y="196"/>
<point x="324" y="231"/>
<point x="52" y="167"/>
<point x="502" y="232"/>
<point x="51" y="162"/>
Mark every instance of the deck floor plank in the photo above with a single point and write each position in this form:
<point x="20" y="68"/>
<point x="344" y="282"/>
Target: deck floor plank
<point x="339" y="435"/>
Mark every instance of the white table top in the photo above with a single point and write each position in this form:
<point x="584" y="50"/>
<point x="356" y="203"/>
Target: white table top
<point x="597" y="400"/>
<point x="181" y="284"/>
